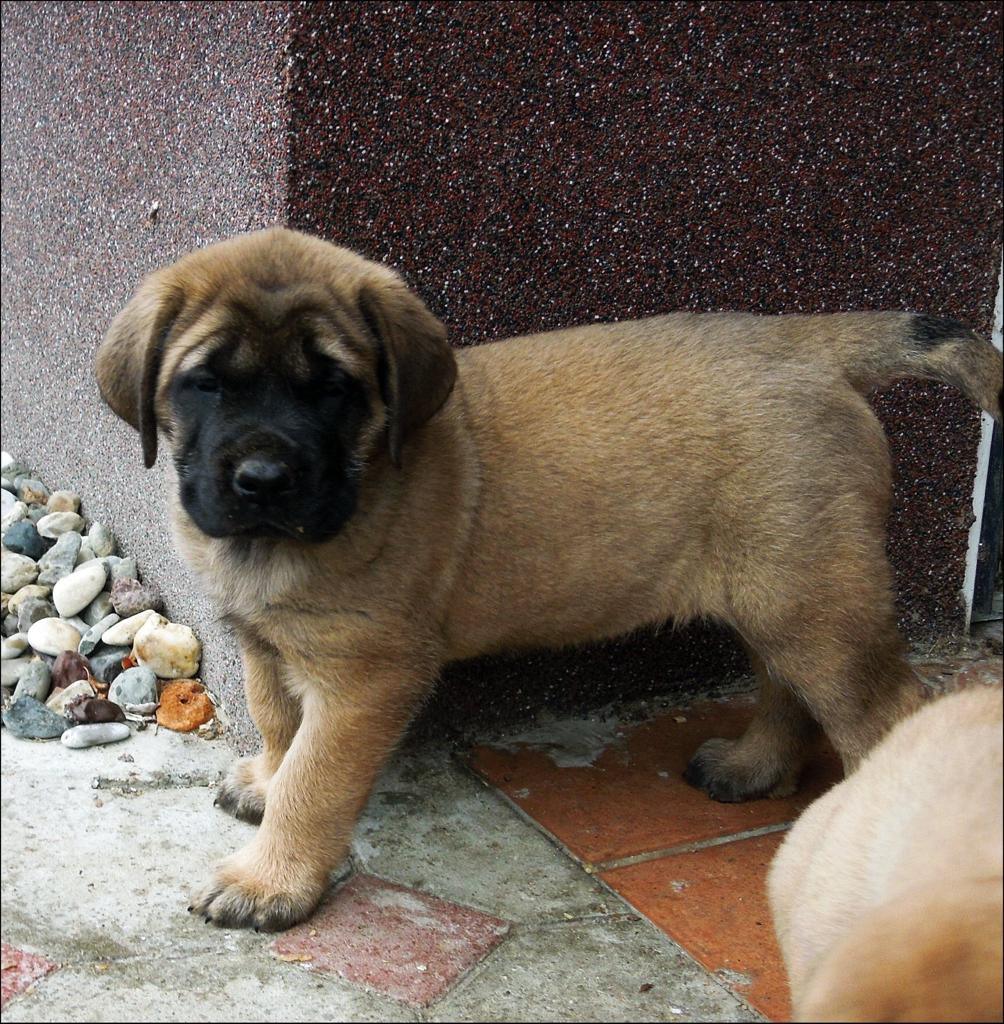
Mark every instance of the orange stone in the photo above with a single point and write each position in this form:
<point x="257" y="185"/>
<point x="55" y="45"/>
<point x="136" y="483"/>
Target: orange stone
<point x="184" y="705"/>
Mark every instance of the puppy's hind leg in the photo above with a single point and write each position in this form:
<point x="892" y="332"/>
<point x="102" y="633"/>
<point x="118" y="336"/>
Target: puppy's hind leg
<point x="276" y="712"/>
<point x="767" y="759"/>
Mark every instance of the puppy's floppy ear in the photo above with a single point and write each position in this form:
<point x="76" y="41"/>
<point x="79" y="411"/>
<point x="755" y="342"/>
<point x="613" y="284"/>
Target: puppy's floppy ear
<point x="416" y="367"/>
<point x="128" y="361"/>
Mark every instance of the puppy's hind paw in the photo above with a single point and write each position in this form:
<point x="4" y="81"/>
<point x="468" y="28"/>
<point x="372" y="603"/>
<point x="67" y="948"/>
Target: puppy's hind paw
<point x="720" y="768"/>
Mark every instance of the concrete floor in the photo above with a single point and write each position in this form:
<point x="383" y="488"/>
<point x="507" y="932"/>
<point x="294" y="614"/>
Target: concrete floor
<point x="99" y="854"/>
<point x="457" y="905"/>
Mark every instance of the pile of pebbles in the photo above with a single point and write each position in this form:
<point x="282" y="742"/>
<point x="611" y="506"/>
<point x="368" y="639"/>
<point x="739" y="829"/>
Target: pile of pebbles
<point x="86" y="654"/>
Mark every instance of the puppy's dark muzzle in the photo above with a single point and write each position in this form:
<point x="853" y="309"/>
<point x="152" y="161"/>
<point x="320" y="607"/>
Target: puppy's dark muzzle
<point x="262" y="480"/>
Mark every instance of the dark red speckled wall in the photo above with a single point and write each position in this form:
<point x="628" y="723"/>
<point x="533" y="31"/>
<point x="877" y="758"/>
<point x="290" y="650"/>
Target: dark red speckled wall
<point x="530" y="166"/>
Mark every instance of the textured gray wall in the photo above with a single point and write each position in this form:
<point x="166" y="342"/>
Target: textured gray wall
<point x="107" y="108"/>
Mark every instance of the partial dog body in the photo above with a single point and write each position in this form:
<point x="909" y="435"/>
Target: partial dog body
<point x="546" y="490"/>
<point x="887" y="893"/>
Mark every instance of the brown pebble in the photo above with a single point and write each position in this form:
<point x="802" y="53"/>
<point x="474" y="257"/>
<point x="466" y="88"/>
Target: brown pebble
<point x="68" y="667"/>
<point x="91" y="710"/>
<point x="184" y="705"/>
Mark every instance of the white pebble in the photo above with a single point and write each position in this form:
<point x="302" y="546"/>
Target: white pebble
<point x="13" y="647"/>
<point x="16" y="571"/>
<point x="14" y="514"/>
<point x="55" y="524"/>
<point x="101" y="539"/>
<point x="6" y="461"/>
<point x="7" y="503"/>
<point x="95" y="734"/>
<point x="75" y="592"/>
<point x="59" y="700"/>
<point x="124" y="632"/>
<point x="51" y="636"/>
<point x="170" y="649"/>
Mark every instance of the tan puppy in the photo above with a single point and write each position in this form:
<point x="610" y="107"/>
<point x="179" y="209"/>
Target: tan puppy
<point x="366" y="504"/>
<point x="887" y="893"/>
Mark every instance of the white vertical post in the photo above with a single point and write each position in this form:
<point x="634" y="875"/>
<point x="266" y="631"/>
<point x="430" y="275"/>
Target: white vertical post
<point x="982" y="465"/>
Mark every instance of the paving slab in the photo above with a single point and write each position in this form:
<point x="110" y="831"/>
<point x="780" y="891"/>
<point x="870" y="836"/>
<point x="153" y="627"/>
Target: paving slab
<point x="208" y="987"/>
<point x="20" y="970"/>
<point x="434" y="827"/>
<point x="626" y="796"/>
<point x="392" y="939"/>
<point x="90" y="874"/>
<point x="610" y="970"/>
<point x="713" y="902"/>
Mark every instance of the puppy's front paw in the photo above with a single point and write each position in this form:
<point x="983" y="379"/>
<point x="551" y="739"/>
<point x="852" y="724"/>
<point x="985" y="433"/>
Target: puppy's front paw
<point x="730" y="774"/>
<point x="242" y="894"/>
<point x="242" y="792"/>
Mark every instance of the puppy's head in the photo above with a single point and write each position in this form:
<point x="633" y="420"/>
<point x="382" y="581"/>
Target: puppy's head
<point x="278" y="366"/>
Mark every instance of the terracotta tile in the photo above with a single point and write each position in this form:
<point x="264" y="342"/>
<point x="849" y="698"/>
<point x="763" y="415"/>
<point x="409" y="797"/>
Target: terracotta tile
<point x="20" y="970"/>
<point x="714" y="903"/>
<point x="392" y="939"/>
<point x="633" y="799"/>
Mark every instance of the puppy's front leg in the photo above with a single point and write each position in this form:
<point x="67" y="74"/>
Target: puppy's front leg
<point x="351" y="721"/>
<point x="276" y="712"/>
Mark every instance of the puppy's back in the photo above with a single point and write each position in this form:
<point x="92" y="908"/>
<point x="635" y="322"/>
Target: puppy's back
<point x="887" y="893"/>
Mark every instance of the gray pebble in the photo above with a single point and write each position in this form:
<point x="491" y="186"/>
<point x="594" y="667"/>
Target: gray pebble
<point x="35" y="681"/>
<point x="22" y="538"/>
<point x="90" y="639"/>
<point x="58" y="561"/>
<point x="94" y="735"/>
<point x="36" y="513"/>
<point x="31" y="610"/>
<point x="9" y="625"/>
<point x="30" y="719"/>
<point x="125" y="569"/>
<point x="129" y="597"/>
<point x="12" y="669"/>
<point x="8" y="485"/>
<point x="101" y="539"/>
<point x="98" y="609"/>
<point x="85" y="554"/>
<point x="106" y="662"/>
<point x="17" y="571"/>
<point x="134" y="686"/>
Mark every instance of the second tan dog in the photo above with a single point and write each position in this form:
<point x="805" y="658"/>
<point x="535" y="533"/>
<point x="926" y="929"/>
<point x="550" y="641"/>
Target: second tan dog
<point x="366" y="504"/>
<point x="887" y="893"/>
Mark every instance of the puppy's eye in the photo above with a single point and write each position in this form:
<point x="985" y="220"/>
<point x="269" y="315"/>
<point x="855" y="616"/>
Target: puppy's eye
<point x="206" y="382"/>
<point x="334" y="385"/>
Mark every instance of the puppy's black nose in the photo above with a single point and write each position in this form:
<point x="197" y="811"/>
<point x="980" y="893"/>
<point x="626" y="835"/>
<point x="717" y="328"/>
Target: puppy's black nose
<point x="260" y="479"/>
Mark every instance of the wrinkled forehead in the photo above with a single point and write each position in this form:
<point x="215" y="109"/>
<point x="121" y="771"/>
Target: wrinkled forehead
<point x="256" y="329"/>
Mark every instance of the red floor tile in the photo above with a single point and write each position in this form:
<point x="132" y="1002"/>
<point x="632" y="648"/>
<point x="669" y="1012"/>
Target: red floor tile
<point x="19" y="971"/>
<point x="714" y="903"/>
<point x="393" y="940"/>
<point x="633" y="798"/>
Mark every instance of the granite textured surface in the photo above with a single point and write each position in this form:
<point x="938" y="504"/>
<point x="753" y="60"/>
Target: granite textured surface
<point x="531" y="166"/>
<point x="527" y="166"/>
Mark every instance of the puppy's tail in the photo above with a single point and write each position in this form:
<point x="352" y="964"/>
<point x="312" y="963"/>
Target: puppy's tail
<point x="875" y="349"/>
